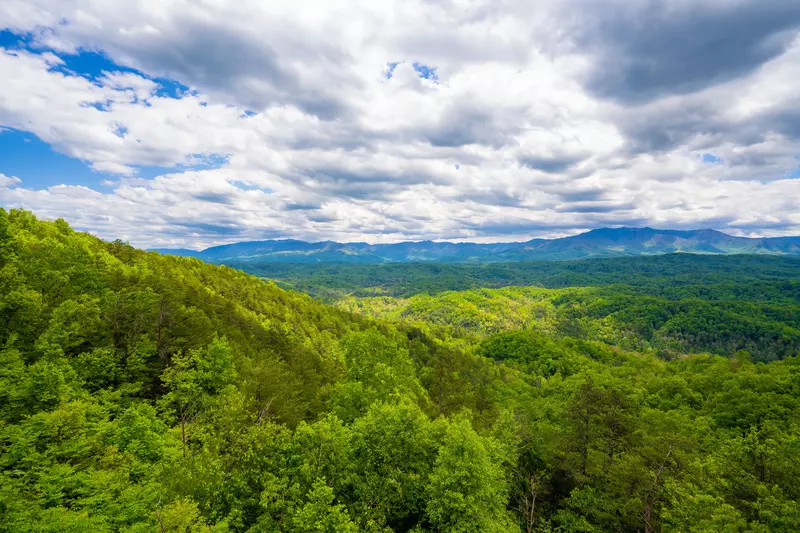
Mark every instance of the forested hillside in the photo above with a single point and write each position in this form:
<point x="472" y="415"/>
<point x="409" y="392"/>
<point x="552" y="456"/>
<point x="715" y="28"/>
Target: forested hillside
<point x="762" y="318"/>
<point x="141" y="392"/>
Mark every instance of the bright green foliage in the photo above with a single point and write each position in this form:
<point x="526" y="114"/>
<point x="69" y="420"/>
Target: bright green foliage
<point x="143" y="393"/>
<point x="467" y="490"/>
<point x="183" y="516"/>
<point x="319" y="515"/>
<point x="141" y="433"/>
<point x="392" y="452"/>
<point x="377" y="368"/>
<point x="664" y="321"/>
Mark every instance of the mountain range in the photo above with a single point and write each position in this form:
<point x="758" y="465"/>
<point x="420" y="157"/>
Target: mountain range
<point x="603" y="242"/>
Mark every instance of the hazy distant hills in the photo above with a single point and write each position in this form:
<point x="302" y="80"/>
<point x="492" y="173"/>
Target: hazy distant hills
<point x="605" y="242"/>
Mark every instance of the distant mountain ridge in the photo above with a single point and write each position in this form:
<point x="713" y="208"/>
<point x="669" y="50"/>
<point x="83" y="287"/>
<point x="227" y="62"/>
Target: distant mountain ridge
<point x="603" y="242"/>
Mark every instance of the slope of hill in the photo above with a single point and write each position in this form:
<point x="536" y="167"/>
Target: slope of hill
<point x="605" y="242"/>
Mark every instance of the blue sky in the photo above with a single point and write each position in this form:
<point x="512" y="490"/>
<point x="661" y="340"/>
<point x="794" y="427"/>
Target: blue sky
<point x="23" y="154"/>
<point x="194" y="124"/>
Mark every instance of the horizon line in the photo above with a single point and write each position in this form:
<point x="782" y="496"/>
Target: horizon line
<point x="633" y="228"/>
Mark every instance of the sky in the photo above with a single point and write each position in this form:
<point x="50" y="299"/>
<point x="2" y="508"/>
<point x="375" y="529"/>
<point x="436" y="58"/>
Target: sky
<point x="190" y="123"/>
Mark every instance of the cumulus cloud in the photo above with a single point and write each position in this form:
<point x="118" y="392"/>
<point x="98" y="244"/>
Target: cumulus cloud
<point x="9" y="181"/>
<point x="387" y="120"/>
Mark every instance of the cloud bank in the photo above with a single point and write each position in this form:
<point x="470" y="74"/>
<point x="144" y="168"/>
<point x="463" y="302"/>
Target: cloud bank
<point x="386" y="121"/>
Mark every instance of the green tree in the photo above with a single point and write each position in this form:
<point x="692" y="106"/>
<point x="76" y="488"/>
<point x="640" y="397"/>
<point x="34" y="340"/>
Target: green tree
<point x="193" y="378"/>
<point x="320" y="515"/>
<point x="467" y="490"/>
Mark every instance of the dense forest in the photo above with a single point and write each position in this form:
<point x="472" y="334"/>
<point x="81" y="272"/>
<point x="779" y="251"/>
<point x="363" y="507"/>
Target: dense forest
<point x="142" y="392"/>
<point x="672" y="272"/>
<point x="762" y="318"/>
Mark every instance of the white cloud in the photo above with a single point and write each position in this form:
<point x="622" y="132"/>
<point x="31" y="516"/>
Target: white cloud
<point x="9" y="181"/>
<point x="518" y="137"/>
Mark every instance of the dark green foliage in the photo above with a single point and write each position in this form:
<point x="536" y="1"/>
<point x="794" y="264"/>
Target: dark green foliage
<point x="673" y="276"/>
<point x="532" y="351"/>
<point x="144" y="393"/>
